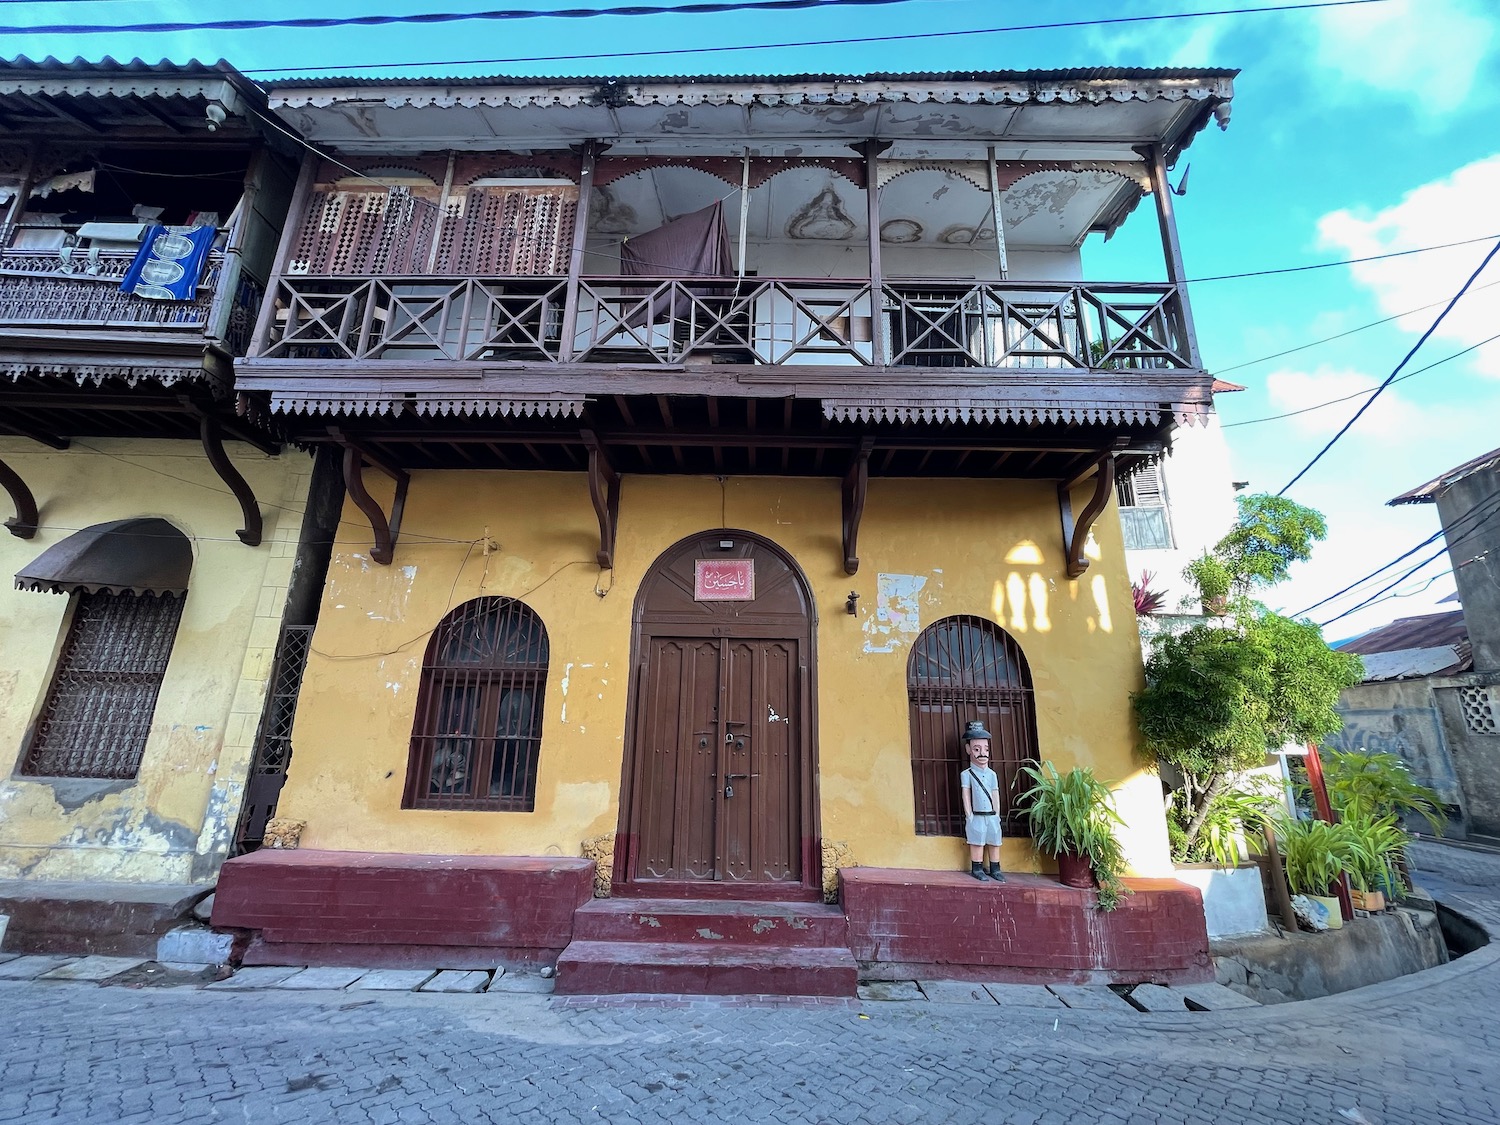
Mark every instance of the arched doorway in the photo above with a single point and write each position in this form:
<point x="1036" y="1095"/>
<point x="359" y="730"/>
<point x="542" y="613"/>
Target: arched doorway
<point x="718" y="797"/>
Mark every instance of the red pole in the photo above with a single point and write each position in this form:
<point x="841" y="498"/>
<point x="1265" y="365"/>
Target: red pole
<point x="1326" y="813"/>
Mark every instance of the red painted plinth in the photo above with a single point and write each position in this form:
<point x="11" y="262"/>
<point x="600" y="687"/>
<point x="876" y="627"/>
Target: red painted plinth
<point x="371" y="908"/>
<point x="905" y="924"/>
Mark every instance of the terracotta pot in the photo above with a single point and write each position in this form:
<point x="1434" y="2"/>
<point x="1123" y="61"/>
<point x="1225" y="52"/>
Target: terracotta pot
<point x="1075" y="870"/>
<point x="1367" y="900"/>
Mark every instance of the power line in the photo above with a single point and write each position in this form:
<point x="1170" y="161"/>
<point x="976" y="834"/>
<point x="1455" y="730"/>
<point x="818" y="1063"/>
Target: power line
<point x="1356" y="394"/>
<point x="1376" y="595"/>
<point x="1340" y="261"/>
<point x="1062" y="25"/>
<point x="1341" y="335"/>
<point x="1489" y="505"/>
<point x="1389" y="379"/>
<point x="700" y="7"/>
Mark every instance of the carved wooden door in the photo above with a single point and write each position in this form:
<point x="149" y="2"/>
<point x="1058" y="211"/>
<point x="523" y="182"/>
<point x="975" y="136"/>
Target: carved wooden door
<point x="718" y="788"/>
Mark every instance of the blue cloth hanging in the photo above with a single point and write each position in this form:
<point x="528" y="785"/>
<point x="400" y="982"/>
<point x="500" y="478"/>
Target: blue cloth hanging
<point x="169" y="263"/>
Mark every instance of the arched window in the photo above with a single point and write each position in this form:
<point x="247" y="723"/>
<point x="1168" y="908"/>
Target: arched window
<point x="479" y="710"/>
<point x="128" y="580"/>
<point x="964" y="668"/>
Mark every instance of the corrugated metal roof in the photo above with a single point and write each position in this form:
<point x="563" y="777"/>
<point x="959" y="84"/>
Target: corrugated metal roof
<point x="996" y="77"/>
<point x="1430" y="630"/>
<point x="1413" y="663"/>
<point x="109" y="67"/>
<point x="1428" y="493"/>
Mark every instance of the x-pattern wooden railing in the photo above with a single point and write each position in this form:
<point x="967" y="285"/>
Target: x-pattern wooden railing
<point x="385" y="318"/>
<point x="767" y="321"/>
<point x="1020" y="324"/>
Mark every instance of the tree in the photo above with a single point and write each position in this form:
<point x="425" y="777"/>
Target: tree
<point x="1271" y="534"/>
<point x="1220" y="695"/>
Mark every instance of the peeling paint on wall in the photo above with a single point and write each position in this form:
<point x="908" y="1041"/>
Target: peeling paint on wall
<point x="897" y="617"/>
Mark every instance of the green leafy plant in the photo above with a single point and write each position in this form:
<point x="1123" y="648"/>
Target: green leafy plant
<point x="1074" y="814"/>
<point x="1220" y="695"/>
<point x="1240" y="808"/>
<point x="1362" y="785"/>
<point x="1316" y="854"/>
<point x="1375" y="847"/>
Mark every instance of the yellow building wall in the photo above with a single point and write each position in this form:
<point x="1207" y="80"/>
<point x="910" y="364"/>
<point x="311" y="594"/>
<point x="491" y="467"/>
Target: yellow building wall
<point x="991" y="548"/>
<point x="174" y="822"/>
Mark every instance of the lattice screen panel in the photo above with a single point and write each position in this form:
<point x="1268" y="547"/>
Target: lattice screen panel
<point x="1481" y="709"/>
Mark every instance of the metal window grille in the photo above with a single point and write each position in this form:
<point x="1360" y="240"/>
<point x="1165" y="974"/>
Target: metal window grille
<point x="964" y="668"/>
<point x="98" y="710"/>
<point x="478" y="729"/>
<point x="273" y="743"/>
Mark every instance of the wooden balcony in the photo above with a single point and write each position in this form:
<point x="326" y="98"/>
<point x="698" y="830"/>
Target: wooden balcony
<point x="78" y="293"/>
<point x="754" y="322"/>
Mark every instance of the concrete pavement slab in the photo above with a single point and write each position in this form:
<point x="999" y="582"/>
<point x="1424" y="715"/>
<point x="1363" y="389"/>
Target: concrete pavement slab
<point x="322" y="976"/>
<point x="457" y="980"/>
<point x="394" y="980"/>
<point x="1023" y="996"/>
<point x="1092" y="997"/>
<point x="94" y="968"/>
<point x="522" y="983"/>
<point x="4" y="957"/>
<point x="891" y="990"/>
<point x="257" y="976"/>
<point x="1215" y="998"/>
<point x="955" y="992"/>
<point x="32" y="966"/>
<point x="1155" y="998"/>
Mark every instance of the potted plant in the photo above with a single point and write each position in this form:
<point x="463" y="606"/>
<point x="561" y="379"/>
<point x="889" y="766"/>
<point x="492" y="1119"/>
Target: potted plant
<point x="1316" y="853"/>
<point x="1376" y="845"/>
<point x="1365" y="785"/>
<point x="1072" y="816"/>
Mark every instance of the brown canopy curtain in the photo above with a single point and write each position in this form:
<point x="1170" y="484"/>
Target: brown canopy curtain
<point x="695" y="245"/>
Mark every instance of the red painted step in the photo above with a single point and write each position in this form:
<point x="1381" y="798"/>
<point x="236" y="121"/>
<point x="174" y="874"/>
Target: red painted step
<point x="590" y="968"/>
<point x="695" y="921"/>
<point x="718" y="948"/>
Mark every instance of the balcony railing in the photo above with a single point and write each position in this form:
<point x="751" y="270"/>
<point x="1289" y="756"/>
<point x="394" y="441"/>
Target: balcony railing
<point x="758" y="320"/>
<point x="82" y="290"/>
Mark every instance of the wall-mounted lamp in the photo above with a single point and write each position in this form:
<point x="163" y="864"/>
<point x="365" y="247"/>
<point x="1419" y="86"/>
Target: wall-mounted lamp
<point x="216" y="116"/>
<point x="851" y="603"/>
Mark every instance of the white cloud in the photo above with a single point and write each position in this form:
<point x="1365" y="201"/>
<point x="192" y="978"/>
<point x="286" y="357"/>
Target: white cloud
<point x="1288" y="391"/>
<point x="1427" y="52"/>
<point x="1453" y="209"/>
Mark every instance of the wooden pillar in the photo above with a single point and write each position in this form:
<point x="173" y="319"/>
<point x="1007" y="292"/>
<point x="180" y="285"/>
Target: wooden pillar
<point x="296" y="213"/>
<point x="871" y="149"/>
<point x="1172" y="251"/>
<point x="580" y="242"/>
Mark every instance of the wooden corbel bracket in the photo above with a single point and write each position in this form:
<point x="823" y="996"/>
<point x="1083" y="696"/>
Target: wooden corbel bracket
<point x="23" y="524"/>
<point x="386" y="531"/>
<point x="856" y="484"/>
<point x="1075" y="535"/>
<point x="604" y="491"/>
<point x="213" y="448"/>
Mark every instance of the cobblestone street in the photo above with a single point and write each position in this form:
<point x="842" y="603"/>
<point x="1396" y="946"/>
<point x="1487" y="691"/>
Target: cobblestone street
<point x="1421" y="1049"/>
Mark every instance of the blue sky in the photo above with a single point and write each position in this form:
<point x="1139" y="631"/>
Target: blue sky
<point x="1357" y="130"/>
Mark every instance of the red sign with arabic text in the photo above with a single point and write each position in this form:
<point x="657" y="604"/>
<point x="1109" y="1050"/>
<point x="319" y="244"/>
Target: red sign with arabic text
<point x="724" y="580"/>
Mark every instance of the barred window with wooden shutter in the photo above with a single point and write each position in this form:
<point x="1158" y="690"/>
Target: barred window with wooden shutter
<point x="98" y="710"/>
<point x="477" y="736"/>
<point x="1143" y="510"/>
<point x="964" y="668"/>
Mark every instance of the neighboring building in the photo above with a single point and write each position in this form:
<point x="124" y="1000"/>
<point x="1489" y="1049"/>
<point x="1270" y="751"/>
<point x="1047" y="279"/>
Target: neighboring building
<point x="711" y="459"/>
<point x="155" y="527"/>
<point x="1432" y="688"/>
<point x="1174" y="510"/>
